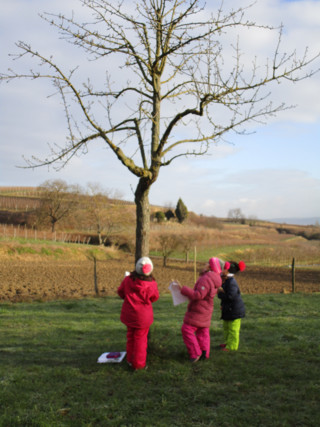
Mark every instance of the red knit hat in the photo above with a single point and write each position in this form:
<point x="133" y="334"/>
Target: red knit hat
<point x="235" y="267"/>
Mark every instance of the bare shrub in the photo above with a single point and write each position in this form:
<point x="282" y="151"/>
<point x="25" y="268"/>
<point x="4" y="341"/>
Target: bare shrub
<point x="168" y="243"/>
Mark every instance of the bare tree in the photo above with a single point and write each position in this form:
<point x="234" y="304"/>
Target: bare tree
<point x="188" y="241"/>
<point x="168" y="243"/>
<point x="97" y="214"/>
<point x="182" y="89"/>
<point x="58" y="201"/>
<point x="236" y="215"/>
<point x="252" y="220"/>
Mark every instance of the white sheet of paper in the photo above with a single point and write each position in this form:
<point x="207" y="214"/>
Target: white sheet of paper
<point x="103" y="358"/>
<point x="177" y="296"/>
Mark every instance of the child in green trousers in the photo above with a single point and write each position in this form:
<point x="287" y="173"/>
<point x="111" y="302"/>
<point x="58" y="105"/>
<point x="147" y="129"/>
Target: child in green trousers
<point x="232" y="306"/>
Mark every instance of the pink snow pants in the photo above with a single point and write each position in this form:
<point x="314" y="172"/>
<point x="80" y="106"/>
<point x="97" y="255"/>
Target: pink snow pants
<point x="196" y="340"/>
<point x="137" y="342"/>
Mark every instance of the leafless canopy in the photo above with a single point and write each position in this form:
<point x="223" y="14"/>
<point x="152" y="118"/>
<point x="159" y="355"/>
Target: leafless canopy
<point x="167" y="89"/>
<point x="169" y="79"/>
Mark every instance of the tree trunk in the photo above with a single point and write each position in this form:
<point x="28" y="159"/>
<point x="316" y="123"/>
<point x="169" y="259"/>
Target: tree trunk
<point x="143" y="218"/>
<point x="100" y="238"/>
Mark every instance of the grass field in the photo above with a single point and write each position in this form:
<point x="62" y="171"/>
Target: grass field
<point x="49" y="374"/>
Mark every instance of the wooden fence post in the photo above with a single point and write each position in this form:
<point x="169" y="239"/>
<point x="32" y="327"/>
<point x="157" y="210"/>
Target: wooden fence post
<point x="293" y="275"/>
<point x="95" y="278"/>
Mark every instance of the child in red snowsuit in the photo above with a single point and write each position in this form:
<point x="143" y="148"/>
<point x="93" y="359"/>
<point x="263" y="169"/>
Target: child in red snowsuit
<point x="196" y="323"/>
<point x="138" y="290"/>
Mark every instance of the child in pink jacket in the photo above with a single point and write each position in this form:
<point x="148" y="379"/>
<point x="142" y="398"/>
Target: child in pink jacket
<point x="138" y="290"/>
<point x="196" y="323"/>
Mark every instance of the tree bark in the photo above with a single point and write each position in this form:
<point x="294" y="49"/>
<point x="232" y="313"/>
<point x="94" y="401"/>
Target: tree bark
<point x="143" y="218"/>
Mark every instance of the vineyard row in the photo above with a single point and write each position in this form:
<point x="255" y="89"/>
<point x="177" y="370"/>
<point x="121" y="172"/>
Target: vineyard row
<point x="10" y="231"/>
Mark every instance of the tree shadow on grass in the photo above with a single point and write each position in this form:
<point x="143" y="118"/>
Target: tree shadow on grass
<point x="62" y="348"/>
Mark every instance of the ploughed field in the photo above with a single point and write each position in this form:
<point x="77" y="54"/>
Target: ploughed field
<point x="27" y="280"/>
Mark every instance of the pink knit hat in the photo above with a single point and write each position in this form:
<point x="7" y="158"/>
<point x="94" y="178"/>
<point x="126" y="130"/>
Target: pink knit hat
<point x="215" y="265"/>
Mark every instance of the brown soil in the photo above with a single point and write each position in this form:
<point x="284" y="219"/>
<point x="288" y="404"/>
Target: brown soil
<point x="22" y="280"/>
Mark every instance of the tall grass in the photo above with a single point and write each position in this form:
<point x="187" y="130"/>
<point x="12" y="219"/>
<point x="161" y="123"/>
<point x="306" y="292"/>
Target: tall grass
<point x="49" y="374"/>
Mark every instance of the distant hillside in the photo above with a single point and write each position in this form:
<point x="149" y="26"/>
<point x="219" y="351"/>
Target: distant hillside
<point x="297" y="221"/>
<point x="27" y="199"/>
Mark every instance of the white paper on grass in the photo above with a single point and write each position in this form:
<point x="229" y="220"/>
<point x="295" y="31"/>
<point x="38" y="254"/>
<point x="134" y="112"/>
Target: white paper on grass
<point x="177" y="296"/>
<point x="104" y="358"/>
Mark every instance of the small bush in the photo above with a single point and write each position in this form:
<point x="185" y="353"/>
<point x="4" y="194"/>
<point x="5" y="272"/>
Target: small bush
<point x="160" y="216"/>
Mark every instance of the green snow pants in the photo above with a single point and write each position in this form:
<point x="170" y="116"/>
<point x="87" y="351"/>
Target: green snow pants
<point x="231" y="330"/>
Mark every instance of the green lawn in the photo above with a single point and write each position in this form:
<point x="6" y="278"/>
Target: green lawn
<point x="49" y="374"/>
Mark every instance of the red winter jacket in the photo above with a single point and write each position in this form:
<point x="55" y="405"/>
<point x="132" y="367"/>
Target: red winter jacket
<point x="138" y="295"/>
<point x="200" y="307"/>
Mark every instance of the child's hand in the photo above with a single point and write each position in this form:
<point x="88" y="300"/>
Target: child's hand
<point x="178" y="283"/>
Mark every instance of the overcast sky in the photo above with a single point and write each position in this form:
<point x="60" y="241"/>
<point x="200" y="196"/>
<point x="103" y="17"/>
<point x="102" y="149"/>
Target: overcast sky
<point x="272" y="173"/>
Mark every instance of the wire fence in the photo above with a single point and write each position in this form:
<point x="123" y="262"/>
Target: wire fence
<point x="22" y="232"/>
<point x="19" y="203"/>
